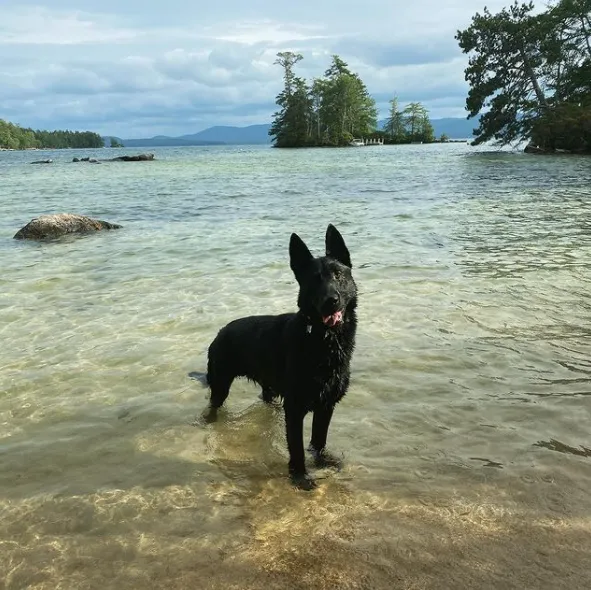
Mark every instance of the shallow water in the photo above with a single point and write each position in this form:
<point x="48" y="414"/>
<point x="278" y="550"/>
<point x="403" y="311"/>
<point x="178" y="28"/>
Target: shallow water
<point x="466" y="428"/>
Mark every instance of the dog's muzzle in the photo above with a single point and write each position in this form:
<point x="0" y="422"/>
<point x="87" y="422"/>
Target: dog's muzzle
<point x="333" y="319"/>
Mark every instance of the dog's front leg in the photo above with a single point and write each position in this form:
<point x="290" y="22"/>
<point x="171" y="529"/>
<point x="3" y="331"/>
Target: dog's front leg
<point x="294" y="422"/>
<point x="320" y="424"/>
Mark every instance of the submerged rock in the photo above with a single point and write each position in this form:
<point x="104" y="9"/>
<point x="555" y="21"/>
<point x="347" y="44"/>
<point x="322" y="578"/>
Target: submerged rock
<point x="42" y="162"/>
<point x="532" y="148"/>
<point x="91" y="160"/>
<point x="60" y="224"/>
<point x="138" y="158"/>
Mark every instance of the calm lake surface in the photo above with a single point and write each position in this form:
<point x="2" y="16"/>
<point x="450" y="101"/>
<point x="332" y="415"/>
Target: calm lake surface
<point x="466" y="431"/>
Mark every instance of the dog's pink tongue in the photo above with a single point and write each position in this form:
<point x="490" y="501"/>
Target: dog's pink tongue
<point x="333" y="319"/>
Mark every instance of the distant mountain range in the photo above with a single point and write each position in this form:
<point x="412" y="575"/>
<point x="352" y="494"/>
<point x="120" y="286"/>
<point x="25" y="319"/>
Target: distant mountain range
<point x="454" y="128"/>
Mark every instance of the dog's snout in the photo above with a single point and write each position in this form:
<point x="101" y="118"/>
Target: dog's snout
<point x="331" y="303"/>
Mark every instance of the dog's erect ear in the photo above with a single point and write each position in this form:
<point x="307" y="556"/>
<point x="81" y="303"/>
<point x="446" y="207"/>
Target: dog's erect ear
<point x="335" y="246"/>
<point x="299" y="255"/>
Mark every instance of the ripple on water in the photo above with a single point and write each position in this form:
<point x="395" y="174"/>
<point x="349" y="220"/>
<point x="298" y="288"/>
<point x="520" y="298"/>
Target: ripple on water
<point x="465" y="432"/>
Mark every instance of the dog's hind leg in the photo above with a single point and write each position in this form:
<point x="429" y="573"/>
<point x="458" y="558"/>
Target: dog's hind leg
<point x="219" y="380"/>
<point x="219" y="387"/>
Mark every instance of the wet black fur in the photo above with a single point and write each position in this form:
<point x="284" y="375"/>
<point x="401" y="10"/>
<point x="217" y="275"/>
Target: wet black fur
<point x="295" y="355"/>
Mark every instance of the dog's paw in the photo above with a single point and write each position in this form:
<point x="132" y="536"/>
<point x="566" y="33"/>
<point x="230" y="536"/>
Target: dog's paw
<point x="324" y="459"/>
<point x="209" y="415"/>
<point x="303" y="481"/>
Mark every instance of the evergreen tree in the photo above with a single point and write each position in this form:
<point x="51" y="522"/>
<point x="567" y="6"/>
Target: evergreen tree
<point x="530" y="74"/>
<point x="504" y="71"/>
<point x="291" y="124"/>
<point x="329" y="112"/>
<point x="394" y="126"/>
<point x="347" y="106"/>
<point x="18" y="138"/>
<point x="410" y="125"/>
<point x="416" y="122"/>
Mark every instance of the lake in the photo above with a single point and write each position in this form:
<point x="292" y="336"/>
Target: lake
<point x="466" y="430"/>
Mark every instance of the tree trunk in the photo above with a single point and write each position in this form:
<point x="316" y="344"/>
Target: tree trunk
<point x="533" y="79"/>
<point x="586" y="33"/>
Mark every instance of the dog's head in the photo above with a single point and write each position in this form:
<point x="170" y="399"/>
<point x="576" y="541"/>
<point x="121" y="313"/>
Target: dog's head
<point x="327" y="289"/>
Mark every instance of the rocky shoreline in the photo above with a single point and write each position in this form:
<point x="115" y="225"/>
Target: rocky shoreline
<point x="532" y="148"/>
<point x="136" y="158"/>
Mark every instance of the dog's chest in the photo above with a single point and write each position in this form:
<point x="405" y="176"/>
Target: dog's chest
<point x="327" y="367"/>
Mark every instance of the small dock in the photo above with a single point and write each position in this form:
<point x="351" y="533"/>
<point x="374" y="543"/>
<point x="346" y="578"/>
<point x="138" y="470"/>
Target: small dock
<point x="367" y="141"/>
<point x="374" y="141"/>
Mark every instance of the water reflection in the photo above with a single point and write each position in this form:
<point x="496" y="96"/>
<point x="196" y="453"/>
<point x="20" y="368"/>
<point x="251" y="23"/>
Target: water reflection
<point x="473" y="345"/>
<point x="555" y="445"/>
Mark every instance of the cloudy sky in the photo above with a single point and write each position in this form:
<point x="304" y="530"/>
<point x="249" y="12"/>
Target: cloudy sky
<point x="138" y="69"/>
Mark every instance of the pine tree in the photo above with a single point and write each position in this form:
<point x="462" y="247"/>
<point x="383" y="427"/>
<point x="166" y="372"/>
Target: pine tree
<point x="394" y="126"/>
<point x="330" y="112"/>
<point x="291" y="124"/>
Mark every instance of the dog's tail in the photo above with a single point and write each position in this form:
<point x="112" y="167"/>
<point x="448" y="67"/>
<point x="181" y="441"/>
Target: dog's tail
<point x="199" y="376"/>
<point x="218" y="379"/>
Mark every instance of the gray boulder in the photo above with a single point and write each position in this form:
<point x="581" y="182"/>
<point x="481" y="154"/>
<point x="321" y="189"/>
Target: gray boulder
<point x="138" y="158"/>
<point x="60" y="224"/>
<point x="88" y="159"/>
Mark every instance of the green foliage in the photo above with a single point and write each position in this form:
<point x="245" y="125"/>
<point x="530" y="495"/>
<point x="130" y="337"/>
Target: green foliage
<point x="416" y="123"/>
<point x="410" y="125"/>
<point x="291" y="124"/>
<point x="504" y="71"/>
<point x="567" y="50"/>
<point x="115" y="143"/>
<point x="564" y="127"/>
<point x="530" y="74"/>
<point x="18" y="138"/>
<point x="328" y="112"/>
<point x="335" y="109"/>
<point x="394" y="127"/>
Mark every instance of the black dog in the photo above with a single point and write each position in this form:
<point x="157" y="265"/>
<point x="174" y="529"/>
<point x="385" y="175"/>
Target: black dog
<point x="303" y="357"/>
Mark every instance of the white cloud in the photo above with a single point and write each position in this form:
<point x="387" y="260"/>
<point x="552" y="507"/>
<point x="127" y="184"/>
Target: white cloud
<point x="40" y="25"/>
<point x="264" y="31"/>
<point x="143" y="69"/>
